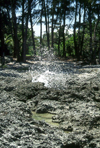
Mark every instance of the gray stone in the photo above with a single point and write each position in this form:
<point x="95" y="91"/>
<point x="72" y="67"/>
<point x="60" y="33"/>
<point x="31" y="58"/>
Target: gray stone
<point x="76" y="108"/>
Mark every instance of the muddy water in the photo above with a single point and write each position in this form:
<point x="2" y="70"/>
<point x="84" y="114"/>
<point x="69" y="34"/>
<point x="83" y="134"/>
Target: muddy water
<point x="47" y="117"/>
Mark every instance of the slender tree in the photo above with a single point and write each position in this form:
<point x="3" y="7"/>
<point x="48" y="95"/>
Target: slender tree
<point x="52" y="23"/>
<point x="33" y="38"/>
<point x="2" y="52"/>
<point x="83" y="32"/>
<point x="3" y="25"/>
<point x="25" y="18"/>
<point x="74" y="33"/>
<point x="41" y="25"/>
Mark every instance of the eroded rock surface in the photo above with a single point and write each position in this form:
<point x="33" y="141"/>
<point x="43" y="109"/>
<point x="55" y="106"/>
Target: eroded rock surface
<point x="76" y="108"/>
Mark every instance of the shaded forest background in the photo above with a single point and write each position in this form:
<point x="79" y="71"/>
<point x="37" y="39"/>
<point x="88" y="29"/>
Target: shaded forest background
<point x="17" y="34"/>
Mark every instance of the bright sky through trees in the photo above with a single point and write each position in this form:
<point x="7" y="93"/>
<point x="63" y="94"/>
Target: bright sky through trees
<point x="37" y="29"/>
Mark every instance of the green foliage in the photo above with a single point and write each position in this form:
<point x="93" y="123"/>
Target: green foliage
<point x="56" y="49"/>
<point x="69" y="46"/>
<point x="30" y="50"/>
<point x="9" y="42"/>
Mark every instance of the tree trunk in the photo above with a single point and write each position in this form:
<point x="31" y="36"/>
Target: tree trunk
<point x="64" y="52"/>
<point x="41" y="30"/>
<point x="48" y="30"/>
<point x="23" y="33"/>
<point x="75" y="42"/>
<point x="79" y="35"/>
<point x="99" y="37"/>
<point x="14" y="24"/>
<point x="34" y="49"/>
<point x="59" y="38"/>
<point x="10" y="24"/>
<point x="2" y="43"/>
<point x="90" y="30"/>
<point x="99" y="48"/>
<point x="24" y="30"/>
<point x="95" y="42"/>
<point x="33" y="39"/>
<point x="47" y="24"/>
<point x="52" y="32"/>
<point x="59" y="43"/>
<point x="82" y="41"/>
<point x="52" y="26"/>
<point x="94" y="39"/>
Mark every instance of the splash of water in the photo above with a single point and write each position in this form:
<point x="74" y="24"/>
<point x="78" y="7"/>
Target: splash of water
<point x="50" y="79"/>
<point x="51" y="73"/>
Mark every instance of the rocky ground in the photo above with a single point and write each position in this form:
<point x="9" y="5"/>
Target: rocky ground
<point x="76" y="109"/>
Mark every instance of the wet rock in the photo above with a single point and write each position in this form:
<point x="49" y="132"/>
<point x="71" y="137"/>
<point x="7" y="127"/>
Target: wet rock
<point x="76" y="109"/>
<point x="26" y="91"/>
<point x="66" y="126"/>
<point x="45" y="106"/>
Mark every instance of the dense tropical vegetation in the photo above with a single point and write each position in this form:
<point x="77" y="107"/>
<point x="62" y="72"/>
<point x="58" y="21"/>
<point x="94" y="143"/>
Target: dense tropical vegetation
<point x="17" y="34"/>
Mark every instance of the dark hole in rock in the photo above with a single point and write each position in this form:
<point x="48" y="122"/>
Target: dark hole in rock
<point x="72" y="145"/>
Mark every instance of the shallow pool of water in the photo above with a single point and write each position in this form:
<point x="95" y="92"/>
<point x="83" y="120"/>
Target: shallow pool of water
<point x="47" y="117"/>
